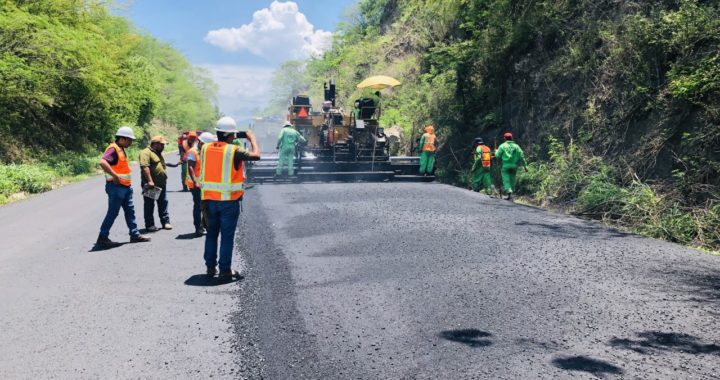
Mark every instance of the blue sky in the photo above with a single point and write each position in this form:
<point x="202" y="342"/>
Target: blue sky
<point x="240" y="42"/>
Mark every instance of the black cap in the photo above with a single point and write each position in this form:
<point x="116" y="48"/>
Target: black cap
<point x="478" y="141"/>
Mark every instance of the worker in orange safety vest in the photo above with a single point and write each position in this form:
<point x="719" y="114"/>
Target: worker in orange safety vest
<point x="192" y="177"/>
<point x="222" y="186"/>
<point x="481" y="173"/>
<point x="118" y="175"/>
<point x="427" y="155"/>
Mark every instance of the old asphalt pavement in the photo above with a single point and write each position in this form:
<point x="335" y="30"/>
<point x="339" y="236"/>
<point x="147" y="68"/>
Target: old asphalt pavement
<point x="361" y="280"/>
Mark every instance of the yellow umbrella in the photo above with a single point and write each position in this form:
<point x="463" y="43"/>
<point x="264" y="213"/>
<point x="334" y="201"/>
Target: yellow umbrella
<point x="378" y="82"/>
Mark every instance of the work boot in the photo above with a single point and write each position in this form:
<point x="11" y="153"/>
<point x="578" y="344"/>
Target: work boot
<point x="152" y="229"/>
<point x="211" y="271"/>
<point x="199" y="232"/>
<point x="229" y="273"/>
<point x="139" y="239"/>
<point x="105" y="242"/>
<point x="167" y="226"/>
<point x="509" y="197"/>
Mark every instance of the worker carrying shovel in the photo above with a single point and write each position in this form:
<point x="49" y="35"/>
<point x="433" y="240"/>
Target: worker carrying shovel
<point x="481" y="169"/>
<point x="286" y="144"/>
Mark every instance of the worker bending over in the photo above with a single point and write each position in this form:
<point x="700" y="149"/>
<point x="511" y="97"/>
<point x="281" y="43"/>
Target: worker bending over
<point x="481" y="169"/>
<point x="427" y="156"/>
<point x="192" y="177"/>
<point x="114" y="163"/>
<point x="511" y="156"/>
<point x="222" y="187"/>
<point x="286" y="144"/>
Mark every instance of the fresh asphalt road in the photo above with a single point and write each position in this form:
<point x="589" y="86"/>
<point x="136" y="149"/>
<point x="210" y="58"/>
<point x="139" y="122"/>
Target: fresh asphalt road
<point x="352" y="281"/>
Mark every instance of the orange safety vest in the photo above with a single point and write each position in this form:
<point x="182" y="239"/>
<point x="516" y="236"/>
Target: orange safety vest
<point x="121" y="167"/>
<point x="429" y="145"/>
<point x="196" y="170"/>
<point x="485" y="156"/>
<point x="219" y="181"/>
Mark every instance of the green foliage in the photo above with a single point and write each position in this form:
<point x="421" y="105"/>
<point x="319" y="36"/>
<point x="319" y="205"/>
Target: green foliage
<point x="28" y="178"/>
<point x="72" y="73"/>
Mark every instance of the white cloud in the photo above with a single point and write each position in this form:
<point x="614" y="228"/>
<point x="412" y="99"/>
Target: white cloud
<point x="278" y="33"/>
<point x="241" y="89"/>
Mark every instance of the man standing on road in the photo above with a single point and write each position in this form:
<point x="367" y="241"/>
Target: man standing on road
<point x="114" y="163"/>
<point x="154" y="174"/>
<point x="481" y="172"/>
<point x="222" y="181"/>
<point x="511" y="156"/>
<point x="427" y="156"/>
<point x="192" y="178"/>
<point x="286" y="143"/>
<point x="184" y="147"/>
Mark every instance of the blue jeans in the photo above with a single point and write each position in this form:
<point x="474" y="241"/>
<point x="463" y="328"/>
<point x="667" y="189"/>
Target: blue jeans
<point x="119" y="196"/>
<point x="222" y="220"/>
<point x="196" y="208"/>
<point x="149" y="208"/>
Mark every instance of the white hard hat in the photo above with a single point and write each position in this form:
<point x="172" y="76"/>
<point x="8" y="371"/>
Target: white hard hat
<point x="207" y="138"/>
<point x="125" y="132"/>
<point x="287" y="124"/>
<point x="226" y="124"/>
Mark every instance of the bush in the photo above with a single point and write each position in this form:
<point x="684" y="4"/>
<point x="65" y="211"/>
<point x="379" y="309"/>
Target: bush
<point x="601" y="198"/>
<point x="71" y="164"/>
<point x="29" y="178"/>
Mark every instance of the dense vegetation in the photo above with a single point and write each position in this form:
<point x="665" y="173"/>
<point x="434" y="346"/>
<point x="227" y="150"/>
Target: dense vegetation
<point x="617" y="103"/>
<point x="71" y="73"/>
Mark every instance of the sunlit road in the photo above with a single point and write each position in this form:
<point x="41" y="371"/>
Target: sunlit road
<point x="371" y="281"/>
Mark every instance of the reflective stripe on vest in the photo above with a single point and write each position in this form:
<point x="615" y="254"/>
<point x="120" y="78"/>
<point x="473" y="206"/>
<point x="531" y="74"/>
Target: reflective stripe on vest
<point x="429" y="145"/>
<point x="219" y="181"/>
<point x="196" y="170"/>
<point x="121" y="167"/>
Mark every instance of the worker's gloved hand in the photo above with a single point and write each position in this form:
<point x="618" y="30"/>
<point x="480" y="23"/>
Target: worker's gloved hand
<point x="150" y="185"/>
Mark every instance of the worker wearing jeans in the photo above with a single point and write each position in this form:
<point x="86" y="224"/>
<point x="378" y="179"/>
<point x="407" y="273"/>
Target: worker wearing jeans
<point x="119" y="196"/>
<point x="222" y="218"/>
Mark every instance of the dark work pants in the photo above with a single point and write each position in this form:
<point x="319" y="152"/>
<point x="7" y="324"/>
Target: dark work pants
<point x="196" y="208"/>
<point x="162" y="203"/>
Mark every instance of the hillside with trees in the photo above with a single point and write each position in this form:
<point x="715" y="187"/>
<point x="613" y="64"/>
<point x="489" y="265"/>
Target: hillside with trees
<point x="71" y="73"/>
<point x="617" y="104"/>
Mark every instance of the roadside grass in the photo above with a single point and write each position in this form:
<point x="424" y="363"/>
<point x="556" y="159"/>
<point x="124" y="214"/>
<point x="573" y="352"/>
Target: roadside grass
<point x="583" y="185"/>
<point x="18" y="181"/>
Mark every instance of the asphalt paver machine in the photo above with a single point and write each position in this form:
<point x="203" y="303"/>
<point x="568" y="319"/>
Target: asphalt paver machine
<point x="340" y="146"/>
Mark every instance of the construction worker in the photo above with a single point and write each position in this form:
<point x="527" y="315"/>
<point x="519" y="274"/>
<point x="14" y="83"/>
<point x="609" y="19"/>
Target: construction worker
<point x="221" y="189"/>
<point x="184" y="147"/>
<point x="114" y="163"/>
<point x="511" y="156"/>
<point x="481" y="173"/>
<point x="287" y="140"/>
<point x="427" y="156"/>
<point x="154" y="174"/>
<point x="192" y="176"/>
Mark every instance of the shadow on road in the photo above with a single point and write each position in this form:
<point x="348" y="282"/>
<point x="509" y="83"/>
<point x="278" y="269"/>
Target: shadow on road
<point x="652" y="342"/>
<point x="574" y="230"/>
<point x="189" y="236"/>
<point x="471" y="337"/>
<point x="96" y="248"/>
<point x="205" y="280"/>
<point x="586" y="364"/>
<point x="700" y="285"/>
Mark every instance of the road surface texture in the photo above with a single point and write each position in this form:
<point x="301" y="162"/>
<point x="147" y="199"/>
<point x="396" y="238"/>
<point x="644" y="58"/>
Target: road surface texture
<point x="428" y="281"/>
<point x="351" y="281"/>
